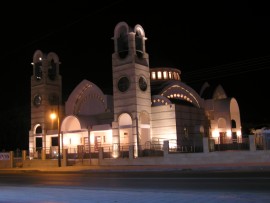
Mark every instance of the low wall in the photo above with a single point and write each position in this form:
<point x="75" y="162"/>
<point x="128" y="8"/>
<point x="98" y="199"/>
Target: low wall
<point x="169" y="158"/>
<point x="6" y="159"/>
<point x="211" y="158"/>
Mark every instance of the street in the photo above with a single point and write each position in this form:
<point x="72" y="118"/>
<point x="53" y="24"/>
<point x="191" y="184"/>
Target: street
<point x="32" y="186"/>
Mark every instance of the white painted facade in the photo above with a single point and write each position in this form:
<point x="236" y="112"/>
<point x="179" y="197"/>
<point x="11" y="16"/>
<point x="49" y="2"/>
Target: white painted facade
<point x="148" y="105"/>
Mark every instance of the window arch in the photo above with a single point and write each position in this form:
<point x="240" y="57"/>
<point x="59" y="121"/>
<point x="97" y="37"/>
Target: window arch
<point x="221" y="123"/>
<point x="39" y="130"/>
<point x="52" y="70"/>
<point x="122" y="44"/>
<point x="233" y="123"/>
<point x="139" y="43"/>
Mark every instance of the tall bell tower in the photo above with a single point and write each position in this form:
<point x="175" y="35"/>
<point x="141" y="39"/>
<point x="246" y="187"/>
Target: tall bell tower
<point x="46" y="97"/>
<point x="131" y="87"/>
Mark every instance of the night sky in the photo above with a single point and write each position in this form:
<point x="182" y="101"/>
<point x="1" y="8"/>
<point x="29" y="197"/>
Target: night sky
<point x="219" y="42"/>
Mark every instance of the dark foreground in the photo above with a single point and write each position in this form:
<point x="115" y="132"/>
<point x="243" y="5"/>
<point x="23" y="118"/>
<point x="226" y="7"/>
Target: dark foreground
<point x="143" y="186"/>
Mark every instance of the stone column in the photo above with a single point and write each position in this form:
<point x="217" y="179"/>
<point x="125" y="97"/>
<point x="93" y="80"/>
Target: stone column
<point x="131" y="152"/>
<point x="100" y="153"/>
<point x="205" y="145"/>
<point x="11" y="158"/>
<point x="252" y="145"/>
<point x="65" y="157"/>
<point x="43" y="154"/>
<point x="166" y="147"/>
<point x="23" y="155"/>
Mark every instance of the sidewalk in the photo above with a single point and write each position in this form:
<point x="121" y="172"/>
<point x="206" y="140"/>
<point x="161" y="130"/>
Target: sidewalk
<point x="54" y="194"/>
<point x="141" y="168"/>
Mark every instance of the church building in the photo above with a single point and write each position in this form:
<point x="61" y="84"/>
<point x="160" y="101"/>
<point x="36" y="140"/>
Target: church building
<point x="148" y="106"/>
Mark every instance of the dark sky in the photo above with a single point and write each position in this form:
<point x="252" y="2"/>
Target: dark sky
<point x="221" y="42"/>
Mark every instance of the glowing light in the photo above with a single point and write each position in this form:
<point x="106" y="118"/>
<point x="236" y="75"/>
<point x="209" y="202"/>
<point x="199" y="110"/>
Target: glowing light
<point x="238" y="133"/>
<point x="165" y="75"/>
<point x="215" y="133"/>
<point x="159" y="75"/>
<point x="53" y="116"/>
<point x="153" y="75"/>
<point x="229" y="133"/>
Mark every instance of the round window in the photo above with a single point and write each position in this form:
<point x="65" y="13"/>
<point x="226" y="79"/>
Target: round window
<point x="142" y="83"/>
<point x="123" y="84"/>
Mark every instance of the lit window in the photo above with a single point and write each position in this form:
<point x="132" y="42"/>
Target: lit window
<point x="170" y="75"/>
<point x="178" y="77"/>
<point x="165" y="74"/>
<point x="153" y="75"/>
<point x="174" y="75"/>
<point x="159" y="75"/>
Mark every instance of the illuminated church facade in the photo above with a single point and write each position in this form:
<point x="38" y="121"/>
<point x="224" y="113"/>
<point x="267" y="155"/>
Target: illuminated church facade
<point x="148" y="105"/>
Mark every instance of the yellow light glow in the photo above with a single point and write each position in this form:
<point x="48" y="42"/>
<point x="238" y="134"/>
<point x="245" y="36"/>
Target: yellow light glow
<point x="92" y="138"/>
<point x="238" y="133"/>
<point x="53" y="116"/>
<point x="115" y="152"/>
<point x="109" y="136"/>
<point x="229" y="133"/>
<point x="215" y="133"/>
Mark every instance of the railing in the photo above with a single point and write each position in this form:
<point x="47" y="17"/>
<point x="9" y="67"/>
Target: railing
<point x="224" y="144"/>
<point x="147" y="150"/>
<point x="186" y="149"/>
<point x="262" y="142"/>
<point x="151" y="149"/>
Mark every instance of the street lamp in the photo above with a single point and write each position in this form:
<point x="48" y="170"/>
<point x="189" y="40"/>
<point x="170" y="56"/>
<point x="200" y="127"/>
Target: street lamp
<point x="53" y="116"/>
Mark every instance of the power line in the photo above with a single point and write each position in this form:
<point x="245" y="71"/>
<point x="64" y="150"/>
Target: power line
<point x="231" y="69"/>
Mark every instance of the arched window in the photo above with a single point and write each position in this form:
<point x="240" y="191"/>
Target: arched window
<point x="38" y="70"/>
<point x="122" y="45"/>
<point x="52" y="70"/>
<point x="221" y="123"/>
<point x="233" y="124"/>
<point x="139" y="44"/>
<point x="38" y="130"/>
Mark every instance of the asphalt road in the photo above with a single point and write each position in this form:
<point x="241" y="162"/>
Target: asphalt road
<point x="258" y="181"/>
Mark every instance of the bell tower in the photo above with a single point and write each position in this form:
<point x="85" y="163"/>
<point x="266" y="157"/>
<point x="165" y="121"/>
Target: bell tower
<point x="46" y="97"/>
<point x="131" y="87"/>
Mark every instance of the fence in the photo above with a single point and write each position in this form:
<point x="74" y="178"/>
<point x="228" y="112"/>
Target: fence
<point x="130" y="152"/>
<point x="229" y="144"/>
<point x="148" y="149"/>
